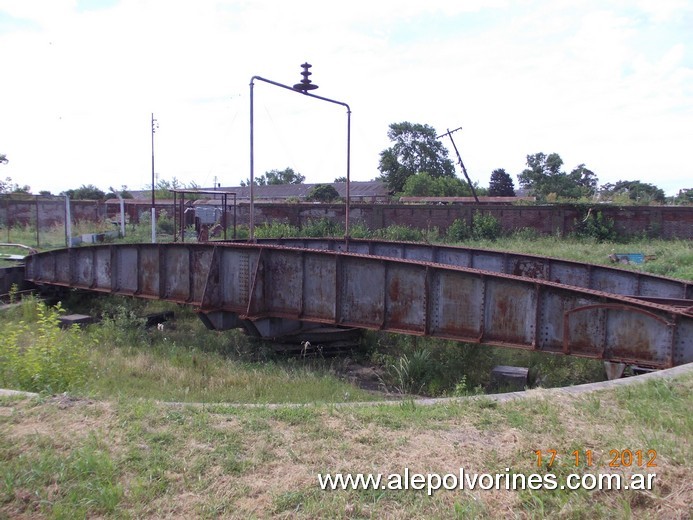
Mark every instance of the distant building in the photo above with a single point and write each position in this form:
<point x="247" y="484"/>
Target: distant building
<point x="465" y="200"/>
<point x="360" y="191"/>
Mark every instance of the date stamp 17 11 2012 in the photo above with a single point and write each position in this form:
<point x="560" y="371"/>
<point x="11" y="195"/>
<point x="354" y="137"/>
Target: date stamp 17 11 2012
<point x="624" y="458"/>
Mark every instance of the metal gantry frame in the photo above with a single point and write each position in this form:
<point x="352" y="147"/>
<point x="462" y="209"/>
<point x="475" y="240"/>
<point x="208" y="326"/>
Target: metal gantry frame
<point x="179" y="213"/>
<point x="301" y="89"/>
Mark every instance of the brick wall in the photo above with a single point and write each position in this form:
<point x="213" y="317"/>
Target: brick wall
<point x="662" y="221"/>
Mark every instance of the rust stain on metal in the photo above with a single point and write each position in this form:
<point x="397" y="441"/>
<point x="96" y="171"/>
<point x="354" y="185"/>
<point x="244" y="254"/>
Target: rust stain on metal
<point x="522" y="309"/>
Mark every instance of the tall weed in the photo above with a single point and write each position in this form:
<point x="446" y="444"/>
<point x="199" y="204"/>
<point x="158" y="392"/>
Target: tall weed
<point x="37" y="355"/>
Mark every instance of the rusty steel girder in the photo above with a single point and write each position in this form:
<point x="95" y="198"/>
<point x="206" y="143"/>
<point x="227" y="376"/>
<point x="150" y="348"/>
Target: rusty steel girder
<point x="278" y="290"/>
<point x="567" y="272"/>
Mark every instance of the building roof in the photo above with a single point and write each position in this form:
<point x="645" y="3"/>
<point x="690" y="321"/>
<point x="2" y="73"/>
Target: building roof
<point x="358" y="189"/>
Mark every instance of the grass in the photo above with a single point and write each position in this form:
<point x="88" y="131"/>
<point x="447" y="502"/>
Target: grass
<point x="673" y="258"/>
<point x="178" y="373"/>
<point x="139" y="458"/>
<point x="184" y="362"/>
<point x="111" y="449"/>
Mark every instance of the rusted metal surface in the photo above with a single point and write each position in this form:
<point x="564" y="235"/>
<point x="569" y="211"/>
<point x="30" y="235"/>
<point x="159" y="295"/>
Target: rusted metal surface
<point x="590" y="276"/>
<point x="276" y="290"/>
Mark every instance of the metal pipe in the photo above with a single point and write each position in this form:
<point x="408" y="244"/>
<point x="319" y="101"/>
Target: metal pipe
<point x="223" y="216"/>
<point x="251" y="227"/>
<point x="251" y="208"/>
<point x="37" y="222"/>
<point x="348" y="176"/>
<point x="175" y="218"/>
<point x="153" y="201"/>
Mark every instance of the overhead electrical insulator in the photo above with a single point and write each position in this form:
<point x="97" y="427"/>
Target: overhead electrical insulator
<point x="305" y="85"/>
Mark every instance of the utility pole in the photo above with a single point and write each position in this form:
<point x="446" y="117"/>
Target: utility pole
<point x="155" y="125"/>
<point x="459" y="158"/>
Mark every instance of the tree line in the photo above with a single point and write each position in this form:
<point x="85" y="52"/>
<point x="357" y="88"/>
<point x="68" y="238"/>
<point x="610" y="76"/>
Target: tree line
<point x="417" y="164"/>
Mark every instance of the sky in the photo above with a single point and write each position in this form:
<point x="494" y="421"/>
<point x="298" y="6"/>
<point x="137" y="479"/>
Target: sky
<point x="606" y="83"/>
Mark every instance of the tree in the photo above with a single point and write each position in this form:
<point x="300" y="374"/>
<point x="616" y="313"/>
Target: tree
<point x="501" y="184"/>
<point x="416" y="150"/>
<point x="7" y="186"/>
<point x="3" y="159"/>
<point x="85" y="192"/>
<point x="26" y="189"/>
<point x="340" y="179"/>
<point x="323" y="193"/>
<point x="585" y="178"/>
<point x="285" y="176"/>
<point x="423" y="185"/>
<point x="639" y="192"/>
<point x="544" y="176"/>
<point x="684" y="196"/>
<point x="123" y="192"/>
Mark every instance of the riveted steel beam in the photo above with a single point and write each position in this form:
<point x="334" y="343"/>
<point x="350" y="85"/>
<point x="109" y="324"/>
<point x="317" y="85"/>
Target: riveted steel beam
<point x="275" y="289"/>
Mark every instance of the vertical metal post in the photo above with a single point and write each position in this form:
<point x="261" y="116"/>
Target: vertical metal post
<point x="37" y="222"/>
<point x="251" y="209"/>
<point x="226" y="201"/>
<point x="122" y="212"/>
<point x="153" y="200"/>
<point x="182" y="217"/>
<point x="122" y="216"/>
<point x="234" y="216"/>
<point x="7" y="215"/>
<point x="68" y="223"/>
<point x="175" y="218"/>
<point x="348" y="175"/>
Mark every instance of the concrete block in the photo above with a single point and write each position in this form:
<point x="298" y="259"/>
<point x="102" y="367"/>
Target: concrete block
<point x="75" y="319"/>
<point x="509" y="378"/>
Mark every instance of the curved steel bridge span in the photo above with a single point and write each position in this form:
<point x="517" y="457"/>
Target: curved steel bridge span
<point x="278" y="287"/>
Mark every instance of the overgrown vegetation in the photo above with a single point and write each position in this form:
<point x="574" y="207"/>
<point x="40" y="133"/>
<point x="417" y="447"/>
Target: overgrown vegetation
<point x="118" y="356"/>
<point x="433" y="367"/>
<point x="36" y="355"/>
<point x="596" y="226"/>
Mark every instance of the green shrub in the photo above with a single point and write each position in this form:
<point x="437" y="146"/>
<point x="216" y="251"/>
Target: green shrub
<point x="485" y="226"/>
<point x="323" y="227"/>
<point x="276" y="230"/>
<point x="121" y="324"/>
<point x="164" y="223"/>
<point x="597" y="226"/>
<point x="399" y="233"/>
<point x="458" y="231"/>
<point x="359" y="230"/>
<point x="38" y="356"/>
<point x="323" y="193"/>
